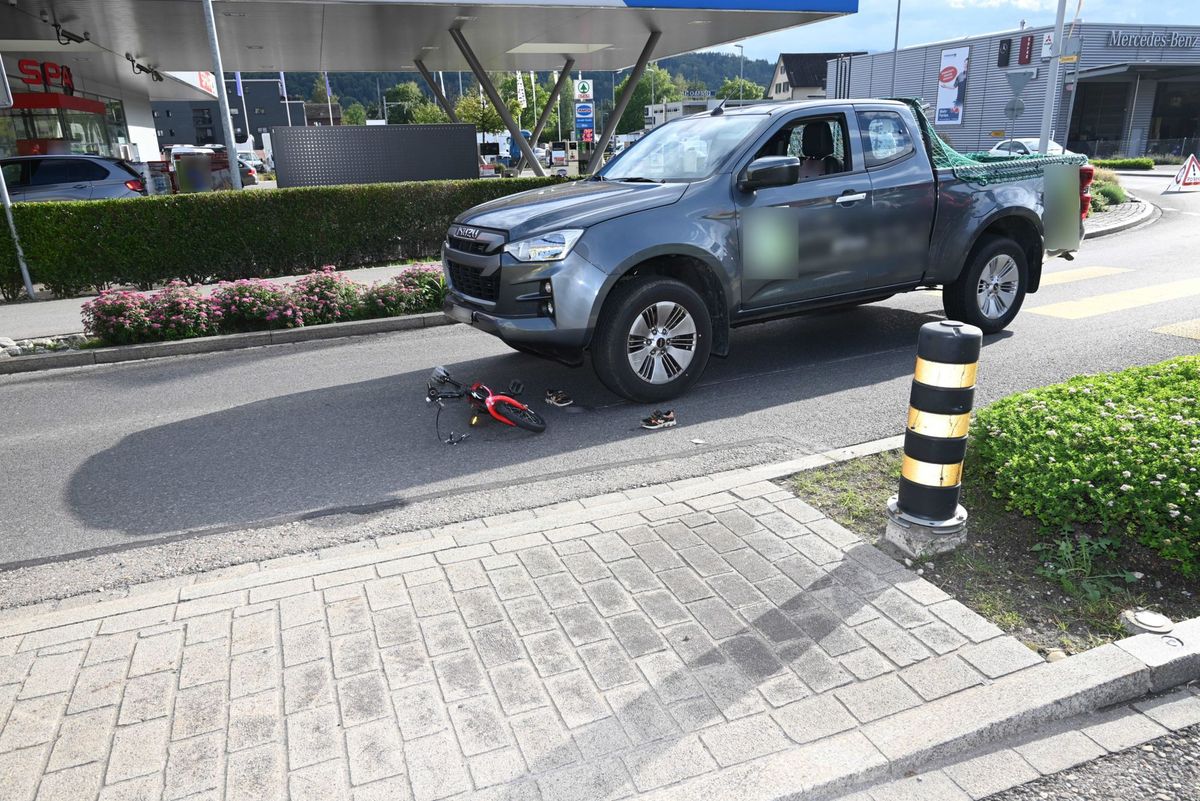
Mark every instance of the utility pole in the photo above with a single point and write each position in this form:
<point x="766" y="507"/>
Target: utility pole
<point x="1052" y="79"/>
<point x="741" y="72"/>
<point x="895" y="49"/>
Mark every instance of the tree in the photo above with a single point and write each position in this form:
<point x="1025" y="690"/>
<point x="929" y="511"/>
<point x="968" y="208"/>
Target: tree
<point x="657" y="85"/>
<point x="429" y="114"/>
<point x="476" y="110"/>
<point x="402" y="101"/>
<point x="318" y="92"/>
<point x="740" y="88"/>
<point x="355" y="114"/>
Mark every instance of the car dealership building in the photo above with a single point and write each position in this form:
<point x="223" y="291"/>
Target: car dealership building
<point x="1126" y="89"/>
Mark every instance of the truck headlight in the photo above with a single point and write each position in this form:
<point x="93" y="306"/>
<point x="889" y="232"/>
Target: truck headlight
<point x="553" y="246"/>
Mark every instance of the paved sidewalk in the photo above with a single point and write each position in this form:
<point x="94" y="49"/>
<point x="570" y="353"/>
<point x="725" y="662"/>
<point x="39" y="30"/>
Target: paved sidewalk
<point x="63" y="316"/>
<point x="600" y="651"/>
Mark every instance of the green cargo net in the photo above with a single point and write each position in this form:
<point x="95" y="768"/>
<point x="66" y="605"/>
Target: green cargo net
<point x="981" y="168"/>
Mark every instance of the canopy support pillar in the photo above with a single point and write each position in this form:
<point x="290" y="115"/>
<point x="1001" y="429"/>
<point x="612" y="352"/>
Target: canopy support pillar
<point x="551" y="102"/>
<point x="437" y="91"/>
<point x="210" y="22"/>
<point x="610" y="126"/>
<point x="485" y="82"/>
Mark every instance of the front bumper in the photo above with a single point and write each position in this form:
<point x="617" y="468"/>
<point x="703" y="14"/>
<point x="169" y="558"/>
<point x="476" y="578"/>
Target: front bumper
<point x="516" y="309"/>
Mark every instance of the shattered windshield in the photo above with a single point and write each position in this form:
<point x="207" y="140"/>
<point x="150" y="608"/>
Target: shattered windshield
<point x="683" y="150"/>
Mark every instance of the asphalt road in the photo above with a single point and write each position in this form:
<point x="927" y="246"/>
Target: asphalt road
<point x="112" y="456"/>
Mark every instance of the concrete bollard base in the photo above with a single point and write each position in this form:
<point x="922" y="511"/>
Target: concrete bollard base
<point x="917" y="539"/>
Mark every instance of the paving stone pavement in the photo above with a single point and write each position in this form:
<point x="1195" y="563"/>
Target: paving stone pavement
<point x="640" y="646"/>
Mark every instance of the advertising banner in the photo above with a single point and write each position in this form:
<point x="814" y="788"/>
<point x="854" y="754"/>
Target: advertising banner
<point x="952" y="86"/>
<point x="583" y="89"/>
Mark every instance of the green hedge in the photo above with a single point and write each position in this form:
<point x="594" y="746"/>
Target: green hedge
<point x="1118" y="452"/>
<point x="73" y="247"/>
<point x="1124" y="164"/>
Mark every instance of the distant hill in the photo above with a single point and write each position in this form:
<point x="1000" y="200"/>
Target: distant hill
<point x="711" y="69"/>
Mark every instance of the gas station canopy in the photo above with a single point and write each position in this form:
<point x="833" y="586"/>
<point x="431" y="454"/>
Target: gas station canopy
<point x="389" y="35"/>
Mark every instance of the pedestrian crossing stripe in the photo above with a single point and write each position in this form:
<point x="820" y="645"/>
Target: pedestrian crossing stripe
<point x="1120" y="301"/>
<point x="1188" y="328"/>
<point x="1079" y="274"/>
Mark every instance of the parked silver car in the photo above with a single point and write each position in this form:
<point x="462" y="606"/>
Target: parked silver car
<point x="36" y="178"/>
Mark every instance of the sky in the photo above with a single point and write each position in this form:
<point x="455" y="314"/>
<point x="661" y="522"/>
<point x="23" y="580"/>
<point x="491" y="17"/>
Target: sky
<point x="924" y="21"/>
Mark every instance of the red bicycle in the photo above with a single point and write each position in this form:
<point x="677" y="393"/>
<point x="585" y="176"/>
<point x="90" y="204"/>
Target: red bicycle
<point x="506" y="409"/>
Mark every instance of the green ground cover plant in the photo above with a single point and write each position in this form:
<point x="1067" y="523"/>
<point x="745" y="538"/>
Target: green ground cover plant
<point x="1119" y="452"/>
<point x="1144" y="163"/>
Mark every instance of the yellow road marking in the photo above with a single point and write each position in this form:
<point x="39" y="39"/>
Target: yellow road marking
<point x="1119" y="301"/>
<point x="1079" y="274"/>
<point x="1188" y="328"/>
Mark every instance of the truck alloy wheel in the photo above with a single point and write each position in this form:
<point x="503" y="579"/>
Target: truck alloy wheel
<point x="989" y="292"/>
<point x="652" y="340"/>
<point x="662" y="342"/>
<point x="997" y="287"/>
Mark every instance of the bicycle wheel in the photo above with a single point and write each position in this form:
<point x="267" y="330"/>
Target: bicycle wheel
<point x="521" y="416"/>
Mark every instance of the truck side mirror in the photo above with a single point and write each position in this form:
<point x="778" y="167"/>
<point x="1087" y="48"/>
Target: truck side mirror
<point x="769" y="171"/>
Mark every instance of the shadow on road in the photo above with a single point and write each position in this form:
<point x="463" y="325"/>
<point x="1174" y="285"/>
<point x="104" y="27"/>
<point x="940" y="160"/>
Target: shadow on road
<point x="370" y="442"/>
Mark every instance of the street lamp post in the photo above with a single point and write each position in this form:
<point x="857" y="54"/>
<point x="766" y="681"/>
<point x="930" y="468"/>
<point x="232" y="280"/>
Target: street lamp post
<point x="741" y="72"/>
<point x="895" y="48"/>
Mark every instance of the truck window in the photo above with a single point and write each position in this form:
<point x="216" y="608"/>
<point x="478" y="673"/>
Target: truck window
<point x="885" y="137"/>
<point x="684" y="150"/>
<point x="819" y="143"/>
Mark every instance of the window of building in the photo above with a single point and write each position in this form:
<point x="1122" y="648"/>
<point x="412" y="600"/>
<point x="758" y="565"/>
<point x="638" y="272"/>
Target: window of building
<point x="234" y="111"/>
<point x="885" y="137"/>
<point x="258" y="110"/>
<point x="168" y="112"/>
<point x="201" y="117"/>
<point x="155" y="113"/>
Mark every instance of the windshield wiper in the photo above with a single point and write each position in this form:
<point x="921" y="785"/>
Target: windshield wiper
<point x="638" y="179"/>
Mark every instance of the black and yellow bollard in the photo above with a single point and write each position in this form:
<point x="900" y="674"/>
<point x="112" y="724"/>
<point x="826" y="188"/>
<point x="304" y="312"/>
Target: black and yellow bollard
<point x="925" y="517"/>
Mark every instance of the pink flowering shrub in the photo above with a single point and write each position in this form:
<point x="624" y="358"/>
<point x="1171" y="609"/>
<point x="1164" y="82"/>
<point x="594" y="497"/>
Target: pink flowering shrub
<point x="180" y="312"/>
<point x="416" y="289"/>
<point x="118" y="317"/>
<point x="326" y="297"/>
<point x="253" y="304"/>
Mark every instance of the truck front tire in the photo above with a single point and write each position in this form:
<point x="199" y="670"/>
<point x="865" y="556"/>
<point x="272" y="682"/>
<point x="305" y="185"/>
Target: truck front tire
<point x="653" y="339"/>
<point x="989" y="292"/>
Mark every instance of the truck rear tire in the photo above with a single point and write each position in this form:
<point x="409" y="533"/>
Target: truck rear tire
<point x="653" y="339"/>
<point x="989" y="292"/>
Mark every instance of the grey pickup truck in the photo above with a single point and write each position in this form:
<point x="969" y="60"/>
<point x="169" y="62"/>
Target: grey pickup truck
<point x="735" y="217"/>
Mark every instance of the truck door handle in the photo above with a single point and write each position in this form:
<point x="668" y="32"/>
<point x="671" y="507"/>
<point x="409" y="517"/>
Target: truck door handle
<point x="847" y="199"/>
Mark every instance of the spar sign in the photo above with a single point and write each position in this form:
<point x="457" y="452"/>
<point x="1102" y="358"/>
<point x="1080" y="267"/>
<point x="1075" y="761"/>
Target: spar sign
<point x="1188" y="177"/>
<point x="952" y="86"/>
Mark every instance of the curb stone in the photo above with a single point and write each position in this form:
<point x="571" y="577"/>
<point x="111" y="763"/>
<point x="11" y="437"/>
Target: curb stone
<point x="253" y="339"/>
<point x="1148" y="210"/>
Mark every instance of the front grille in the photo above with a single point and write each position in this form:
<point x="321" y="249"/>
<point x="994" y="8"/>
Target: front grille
<point x="471" y="281"/>
<point x="477" y="246"/>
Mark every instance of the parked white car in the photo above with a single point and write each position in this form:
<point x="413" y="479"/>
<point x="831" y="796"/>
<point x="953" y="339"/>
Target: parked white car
<point x="1025" y="147"/>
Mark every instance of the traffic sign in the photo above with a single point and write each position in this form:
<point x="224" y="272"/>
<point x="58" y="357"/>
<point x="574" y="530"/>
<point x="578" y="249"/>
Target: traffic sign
<point x="585" y="115"/>
<point x="1018" y="78"/>
<point x="1188" y="176"/>
<point x="1014" y="108"/>
<point x="583" y="89"/>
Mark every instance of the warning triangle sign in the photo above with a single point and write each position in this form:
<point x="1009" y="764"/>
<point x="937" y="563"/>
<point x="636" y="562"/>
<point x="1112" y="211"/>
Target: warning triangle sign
<point x="1188" y="177"/>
